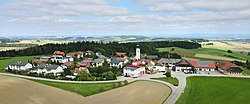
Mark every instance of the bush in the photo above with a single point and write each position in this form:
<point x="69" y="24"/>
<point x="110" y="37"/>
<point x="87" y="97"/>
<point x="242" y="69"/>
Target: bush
<point x="125" y="82"/>
<point x="229" y="51"/>
<point x="120" y="84"/>
<point x="168" y="74"/>
<point x="175" y="84"/>
<point x="101" y="89"/>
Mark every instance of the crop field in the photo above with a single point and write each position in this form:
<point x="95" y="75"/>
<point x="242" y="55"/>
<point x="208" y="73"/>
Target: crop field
<point x="216" y="90"/>
<point x="11" y="48"/>
<point x="211" y="51"/>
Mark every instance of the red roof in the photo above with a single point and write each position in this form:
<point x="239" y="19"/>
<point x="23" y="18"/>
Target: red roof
<point x="137" y="66"/>
<point x="202" y="64"/>
<point x="120" y="53"/>
<point x="58" y="53"/>
<point x="77" y="70"/>
<point x="225" y="65"/>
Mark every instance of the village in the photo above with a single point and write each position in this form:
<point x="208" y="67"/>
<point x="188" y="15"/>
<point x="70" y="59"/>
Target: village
<point x="71" y="64"/>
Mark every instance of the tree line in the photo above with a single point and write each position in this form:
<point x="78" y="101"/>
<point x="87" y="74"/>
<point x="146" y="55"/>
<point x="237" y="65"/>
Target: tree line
<point x="105" y="48"/>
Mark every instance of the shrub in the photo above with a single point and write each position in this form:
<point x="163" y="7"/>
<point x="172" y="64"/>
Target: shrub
<point x="101" y="89"/>
<point x="229" y="51"/>
<point x="168" y="74"/>
<point x="120" y="84"/>
<point x="175" y="84"/>
<point x="125" y="82"/>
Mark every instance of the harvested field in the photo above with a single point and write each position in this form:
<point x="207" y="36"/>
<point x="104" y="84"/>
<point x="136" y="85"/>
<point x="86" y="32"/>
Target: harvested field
<point x="182" y="53"/>
<point x="22" y="91"/>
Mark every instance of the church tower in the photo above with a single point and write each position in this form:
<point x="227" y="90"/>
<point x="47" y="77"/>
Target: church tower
<point x="138" y="53"/>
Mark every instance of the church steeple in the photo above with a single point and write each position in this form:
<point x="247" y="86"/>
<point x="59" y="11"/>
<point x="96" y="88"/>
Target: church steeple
<point x="138" y="53"/>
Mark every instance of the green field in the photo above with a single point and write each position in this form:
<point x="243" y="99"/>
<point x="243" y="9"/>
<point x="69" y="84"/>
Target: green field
<point x="173" y="81"/>
<point x="6" y="62"/>
<point x="84" y="89"/>
<point x="210" y="51"/>
<point x="216" y="90"/>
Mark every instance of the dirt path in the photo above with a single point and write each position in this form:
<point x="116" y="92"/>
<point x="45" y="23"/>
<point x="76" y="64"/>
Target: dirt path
<point x="21" y="91"/>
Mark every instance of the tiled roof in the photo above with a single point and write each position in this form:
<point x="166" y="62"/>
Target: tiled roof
<point x="226" y="65"/>
<point x="202" y="64"/>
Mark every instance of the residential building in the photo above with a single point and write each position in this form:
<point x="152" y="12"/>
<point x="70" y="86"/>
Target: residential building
<point x="18" y="65"/>
<point x="48" y="68"/>
<point x="77" y="70"/>
<point x="168" y="62"/>
<point x="98" y="62"/>
<point x="118" y="62"/>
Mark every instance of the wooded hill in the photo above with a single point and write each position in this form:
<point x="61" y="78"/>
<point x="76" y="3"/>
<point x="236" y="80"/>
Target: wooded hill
<point x="105" y="48"/>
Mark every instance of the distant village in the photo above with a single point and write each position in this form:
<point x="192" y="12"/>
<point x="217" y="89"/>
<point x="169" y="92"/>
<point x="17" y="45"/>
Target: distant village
<point x="134" y="66"/>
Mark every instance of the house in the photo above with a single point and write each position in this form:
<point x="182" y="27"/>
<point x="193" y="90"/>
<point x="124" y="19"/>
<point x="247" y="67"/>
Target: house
<point x="168" y="62"/>
<point x="42" y="58"/>
<point x="89" y="52"/>
<point x="69" y="57"/>
<point x="118" y="62"/>
<point x="183" y="66"/>
<point x="98" y="62"/>
<point x="18" y="65"/>
<point x="133" y="71"/>
<point x="152" y="57"/>
<point x="203" y="65"/>
<point x="77" y="70"/>
<point x="229" y="68"/>
<point x="59" y="58"/>
<point x="144" y="62"/>
<point x="120" y="53"/>
<point x="85" y="63"/>
<point x="79" y="54"/>
<point x="59" y="53"/>
<point x="48" y="68"/>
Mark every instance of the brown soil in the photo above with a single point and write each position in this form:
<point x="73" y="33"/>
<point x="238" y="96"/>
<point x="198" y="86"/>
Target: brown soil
<point x="22" y="91"/>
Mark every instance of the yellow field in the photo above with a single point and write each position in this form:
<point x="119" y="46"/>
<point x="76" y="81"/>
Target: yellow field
<point x="39" y="42"/>
<point x="224" y="45"/>
<point x="11" y="48"/>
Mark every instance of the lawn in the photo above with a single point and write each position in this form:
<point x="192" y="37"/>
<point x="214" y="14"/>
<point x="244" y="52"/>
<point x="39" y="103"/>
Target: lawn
<point x="173" y="81"/>
<point x="84" y="89"/>
<point x="6" y="62"/>
<point x="210" y="51"/>
<point x="216" y="90"/>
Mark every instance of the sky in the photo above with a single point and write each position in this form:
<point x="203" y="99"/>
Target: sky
<point x="123" y="17"/>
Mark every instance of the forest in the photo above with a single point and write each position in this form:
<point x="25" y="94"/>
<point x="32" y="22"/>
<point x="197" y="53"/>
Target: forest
<point x="107" y="49"/>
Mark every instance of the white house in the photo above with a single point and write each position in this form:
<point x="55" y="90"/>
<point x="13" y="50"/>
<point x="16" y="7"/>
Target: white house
<point x="48" y="68"/>
<point x="159" y="68"/>
<point x="59" y="58"/>
<point x="18" y="65"/>
<point x="133" y="71"/>
<point x="118" y="62"/>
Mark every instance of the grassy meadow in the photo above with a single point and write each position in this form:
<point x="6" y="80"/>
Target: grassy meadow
<point x="173" y="81"/>
<point x="216" y="90"/>
<point x="84" y="89"/>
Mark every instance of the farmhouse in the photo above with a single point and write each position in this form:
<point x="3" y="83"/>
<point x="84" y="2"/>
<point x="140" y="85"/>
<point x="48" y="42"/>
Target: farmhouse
<point x="229" y="68"/>
<point x="18" y="65"/>
<point x="133" y="71"/>
<point x="48" y="68"/>
<point x="203" y="65"/>
<point x="183" y="66"/>
<point x="168" y="62"/>
<point x="159" y="68"/>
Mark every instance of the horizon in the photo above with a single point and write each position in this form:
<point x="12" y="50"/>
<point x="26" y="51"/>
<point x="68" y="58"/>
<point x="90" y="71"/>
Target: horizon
<point x="127" y="17"/>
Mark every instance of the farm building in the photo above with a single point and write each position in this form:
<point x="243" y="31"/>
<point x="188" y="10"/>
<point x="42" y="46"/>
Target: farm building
<point x="133" y="71"/>
<point x="168" y="62"/>
<point x="229" y="68"/>
<point x="183" y="66"/>
<point x="203" y="65"/>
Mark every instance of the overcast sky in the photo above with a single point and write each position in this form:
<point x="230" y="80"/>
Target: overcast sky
<point x="123" y="17"/>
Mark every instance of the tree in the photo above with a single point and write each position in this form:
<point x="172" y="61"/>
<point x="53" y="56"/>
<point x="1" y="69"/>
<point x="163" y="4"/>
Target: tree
<point x="83" y="76"/>
<point x="168" y="74"/>
<point x="229" y="51"/>
<point x="248" y="53"/>
<point x="172" y="49"/>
